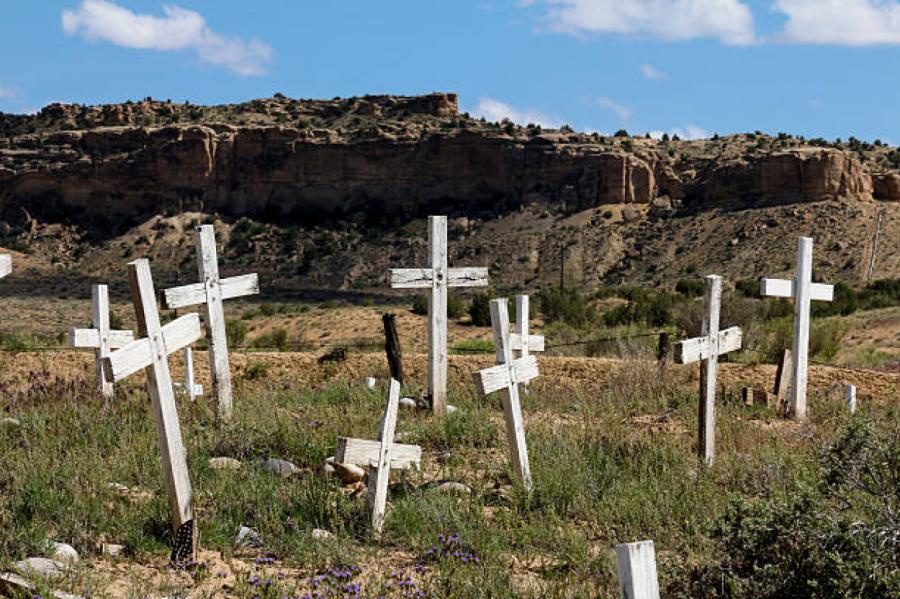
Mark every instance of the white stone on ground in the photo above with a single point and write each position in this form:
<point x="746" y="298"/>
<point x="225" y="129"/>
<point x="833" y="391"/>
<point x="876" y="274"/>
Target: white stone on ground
<point x="320" y="534"/>
<point x="62" y="552"/>
<point x="112" y="550"/>
<point x="247" y="537"/>
<point x="349" y="473"/>
<point x="408" y="402"/>
<point x="40" y="566"/>
<point x="453" y="488"/>
<point x="223" y="463"/>
<point x="278" y="466"/>
<point x="10" y="422"/>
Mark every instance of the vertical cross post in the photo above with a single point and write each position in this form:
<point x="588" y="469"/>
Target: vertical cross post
<point x="150" y="353"/>
<point x="211" y="291"/>
<point x="438" y="278"/>
<point x="190" y="384"/>
<point x="101" y="338"/>
<point x="803" y="290"/>
<point x="522" y="342"/>
<point x="707" y="348"/>
<point x="850" y="397"/>
<point x="636" y="565"/>
<point x="380" y="479"/>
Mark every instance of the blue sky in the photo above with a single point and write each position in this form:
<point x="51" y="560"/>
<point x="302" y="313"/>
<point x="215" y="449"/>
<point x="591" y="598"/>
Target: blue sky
<point x="827" y="68"/>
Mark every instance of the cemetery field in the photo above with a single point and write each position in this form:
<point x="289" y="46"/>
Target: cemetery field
<point x="612" y="444"/>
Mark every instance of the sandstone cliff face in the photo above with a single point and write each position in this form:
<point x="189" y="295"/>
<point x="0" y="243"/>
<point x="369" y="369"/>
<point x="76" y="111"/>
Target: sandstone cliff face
<point x="383" y="157"/>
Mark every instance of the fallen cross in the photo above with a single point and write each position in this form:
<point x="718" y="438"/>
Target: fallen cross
<point x="437" y="277"/>
<point x="101" y="338"/>
<point x="211" y="292"/>
<point x="150" y="352"/>
<point x="803" y="290"/>
<point x="707" y="348"/>
<point x="507" y="376"/>
<point x="382" y="455"/>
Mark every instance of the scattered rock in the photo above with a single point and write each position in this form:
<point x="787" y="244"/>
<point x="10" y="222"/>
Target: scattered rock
<point x="320" y="534"/>
<point x="408" y="402"/>
<point x="402" y="437"/>
<point x="328" y="467"/>
<point x="453" y="488"/>
<point x="13" y="584"/>
<point x="278" y="466"/>
<point x="223" y="463"/>
<point x="112" y="550"/>
<point x="349" y="473"/>
<point x="62" y="553"/>
<point x="247" y="537"/>
<point x="451" y="408"/>
<point x="630" y="215"/>
<point x="40" y="566"/>
<point x="10" y="422"/>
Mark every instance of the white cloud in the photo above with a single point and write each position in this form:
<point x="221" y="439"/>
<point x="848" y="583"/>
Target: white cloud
<point x="688" y="132"/>
<point x="178" y="29"/>
<point x="730" y="21"/>
<point x="651" y="72"/>
<point x="840" y="22"/>
<point x="495" y="110"/>
<point x="623" y="112"/>
<point x="9" y="93"/>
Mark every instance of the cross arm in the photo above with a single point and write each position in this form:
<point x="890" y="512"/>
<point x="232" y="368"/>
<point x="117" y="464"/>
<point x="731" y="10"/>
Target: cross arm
<point x="364" y="452"/>
<point x="412" y="278"/>
<point x="692" y="350"/>
<point x="503" y="375"/>
<point x="91" y="338"/>
<point x="535" y="342"/>
<point x="785" y="288"/>
<point x="467" y="277"/>
<point x="178" y="334"/>
<point x="195" y="293"/>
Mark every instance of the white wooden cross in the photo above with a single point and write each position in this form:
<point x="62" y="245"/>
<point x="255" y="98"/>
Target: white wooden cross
<point x="707" y="348"/>
<point x="150" y="353"/>
<point x="521" y="342"/>
<point x="211" y="292"/>
<point x="507" y="376"/>
<point x="5" y="265"/>
<point x="803" y="290"/>
<point x="191" y="387"/>
<point x="101" y="338"/>
<point x="437" y="277"/>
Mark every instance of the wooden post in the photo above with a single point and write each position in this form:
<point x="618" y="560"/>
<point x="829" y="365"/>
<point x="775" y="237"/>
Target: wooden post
<point x="783" y="375"/>
<point x="101" y="338"/>
<point x="380" y="479"/>
<point x="522" y="342"/>
<point x="437" y="277"/>
<point x="150" y="353"/>
<point x="636" y="565"/>
<point x="662" y="353"/>
<point x="707" y="348"/>
<point x="803" y="290"/>
<point x="211" y="292"/>
<point x="191" y="387"/>
<point x="392" y="346"/>
<point x="850" y="396"/>
<point x="507" y="376"/>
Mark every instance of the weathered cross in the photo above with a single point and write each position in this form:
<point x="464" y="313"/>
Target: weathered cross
<point x="150" y="353"/>
<point x="101" y="338"/>
<point x="5" y="265"/>
<point x="437" y="277"/>
<point x="803" y="290"/>
<point x="507" y="376"/>
<point x="211" y="292"/>
<point x="707" y="348"/>
<point x="521" y="342"/>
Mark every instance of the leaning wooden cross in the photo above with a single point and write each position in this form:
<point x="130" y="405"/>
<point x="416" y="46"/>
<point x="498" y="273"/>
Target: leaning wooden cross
<point x="507" y="376"/>
<point x="150" y="353"/>
<point x="211" y="292"/>
<point x="101" y="338"/>
<point x="707" y="348"/>
<point x="803" y="290"/>
<point x="383" y="455"/>
<point x="437" y="277"/>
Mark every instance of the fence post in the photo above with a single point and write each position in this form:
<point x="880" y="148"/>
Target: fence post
<point x="392" y="346"/>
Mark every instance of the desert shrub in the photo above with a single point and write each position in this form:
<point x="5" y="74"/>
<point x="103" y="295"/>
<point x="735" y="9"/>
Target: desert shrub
<point x="276" y="339"/>
<point x="420" y="305"/>
<point x="473" y="346"/>
<point x="825" y="338"/>
<point x="256" y="370"/>
<point x="654" y="309"/>
<point x="690" y="287"/>
<point x="480" y="310"/>
<point x="835" y="536"/>
<point x="748" y="287"/>
<point x="564" y="305"/>
<point x="456" y="308"/>
<point x="235" y="332"/>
